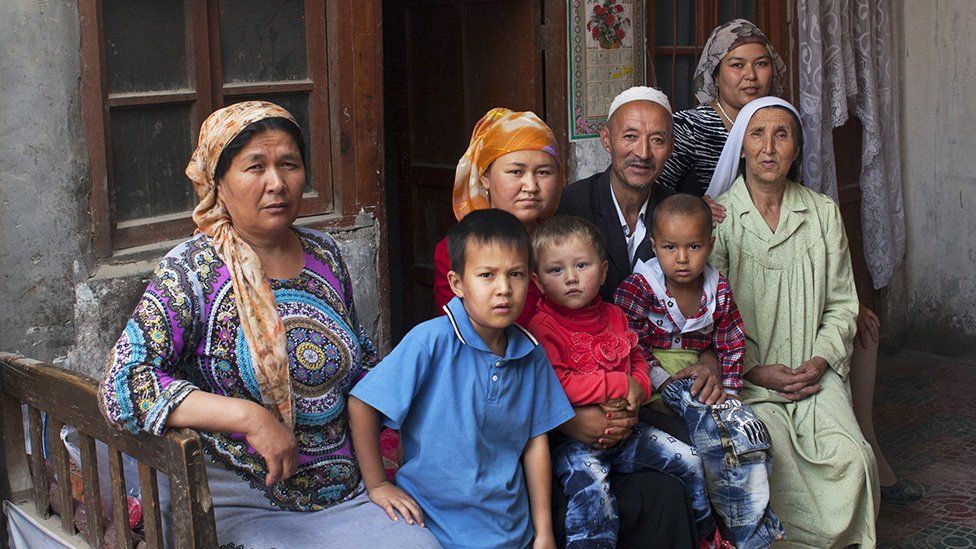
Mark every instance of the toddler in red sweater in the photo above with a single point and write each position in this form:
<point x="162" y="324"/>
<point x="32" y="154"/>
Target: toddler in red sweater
<point x="597" y="360"/>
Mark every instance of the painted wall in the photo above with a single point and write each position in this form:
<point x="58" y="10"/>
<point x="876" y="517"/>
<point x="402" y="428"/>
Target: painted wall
<point x="933" y="301"/>
<point x="57" y="303"/>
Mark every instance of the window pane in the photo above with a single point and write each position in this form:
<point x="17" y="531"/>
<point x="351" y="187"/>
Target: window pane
<point x="665" y="23"/>
<point x="678" y="86"/>
<point x="262" y="40"/>
<point x="297" y="105"/>
<point x="684" y="72"/>
<point x="145" y="45"/>
<point x="150" y="149"/>
<point x="736" y="9"/>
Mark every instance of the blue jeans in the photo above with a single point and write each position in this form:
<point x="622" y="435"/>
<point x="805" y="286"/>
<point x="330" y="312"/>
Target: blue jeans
<point x="734" y="447"/>
<point x="591" y="515"/>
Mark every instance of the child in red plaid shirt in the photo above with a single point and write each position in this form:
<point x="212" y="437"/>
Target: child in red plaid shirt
<point x="679" y="305"/>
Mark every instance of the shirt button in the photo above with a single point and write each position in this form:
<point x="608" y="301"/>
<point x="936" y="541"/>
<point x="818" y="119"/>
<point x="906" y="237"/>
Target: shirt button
<point x="498" y="364"/>
<point x="670" y="304"/>
<point x="494" y="377"/>
<point x="677" y="339"/>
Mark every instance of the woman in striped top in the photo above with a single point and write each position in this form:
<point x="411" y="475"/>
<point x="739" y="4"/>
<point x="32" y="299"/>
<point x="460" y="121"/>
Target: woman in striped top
<point x="737" y="65"/>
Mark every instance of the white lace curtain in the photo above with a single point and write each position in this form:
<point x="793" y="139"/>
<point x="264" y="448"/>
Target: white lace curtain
<point x="848" y="62"/>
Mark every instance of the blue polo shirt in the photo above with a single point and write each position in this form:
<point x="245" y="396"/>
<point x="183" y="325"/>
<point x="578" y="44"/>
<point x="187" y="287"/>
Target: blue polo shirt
<point x="465" y="415"/>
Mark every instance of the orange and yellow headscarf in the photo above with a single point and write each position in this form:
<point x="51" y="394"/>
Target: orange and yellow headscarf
<point x="498" y="133"/>
<point x="259" y="317"/>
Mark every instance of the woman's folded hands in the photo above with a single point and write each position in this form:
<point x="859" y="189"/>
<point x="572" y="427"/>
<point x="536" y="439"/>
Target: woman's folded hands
<point x="793" y="384"/>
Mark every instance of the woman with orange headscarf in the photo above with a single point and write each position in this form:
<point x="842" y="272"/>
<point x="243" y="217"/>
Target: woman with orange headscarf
<point x="511" y="164"/>
<point x="248" y="333"/>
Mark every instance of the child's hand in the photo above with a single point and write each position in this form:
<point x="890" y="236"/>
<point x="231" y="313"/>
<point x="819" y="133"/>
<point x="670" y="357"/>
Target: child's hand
<point x="390" y="498"/>
<point x="614" y="405"/>
<point x="707" y="387"/>
<point x="635" y="394"/>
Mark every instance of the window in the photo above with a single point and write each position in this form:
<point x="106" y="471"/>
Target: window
<point x="677" y="31"/>
<point x="153" y="71"/>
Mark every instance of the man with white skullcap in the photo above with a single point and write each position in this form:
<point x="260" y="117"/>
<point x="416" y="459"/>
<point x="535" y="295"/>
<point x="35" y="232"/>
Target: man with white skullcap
<point x="621" y="200"/>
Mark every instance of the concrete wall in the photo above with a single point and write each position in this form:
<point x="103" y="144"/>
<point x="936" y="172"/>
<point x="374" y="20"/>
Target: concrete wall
<point x="933" y="300"/>
<point x="44" y="226"/>
<point x="57" y="302"/>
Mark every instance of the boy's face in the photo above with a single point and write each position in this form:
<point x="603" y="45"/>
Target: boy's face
<point x="570" y="273"/>
<point x="682" y="244"/>
<point x="493" y="286"/>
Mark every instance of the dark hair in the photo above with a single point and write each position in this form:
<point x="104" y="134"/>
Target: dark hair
<point x="254" y="128"/>
<point x="483" y="227"/>
<point x="560" y="228"/>
<point x="794" y="173"/>
<point x="684" y="204"/>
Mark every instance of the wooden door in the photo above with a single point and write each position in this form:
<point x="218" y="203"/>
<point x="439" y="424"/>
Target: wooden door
<point x="447" y="62"/>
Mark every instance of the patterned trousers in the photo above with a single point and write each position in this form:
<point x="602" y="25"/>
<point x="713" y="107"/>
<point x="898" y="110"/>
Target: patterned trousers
<point x="591" y="516"/>
<point x="734" y="447"/>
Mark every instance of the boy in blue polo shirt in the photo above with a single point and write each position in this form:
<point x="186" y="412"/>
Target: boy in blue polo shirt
<point x="473" y="395"/>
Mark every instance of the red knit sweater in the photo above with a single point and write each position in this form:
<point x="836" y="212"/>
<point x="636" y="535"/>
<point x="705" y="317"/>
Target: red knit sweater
<point x="591" y="349"/>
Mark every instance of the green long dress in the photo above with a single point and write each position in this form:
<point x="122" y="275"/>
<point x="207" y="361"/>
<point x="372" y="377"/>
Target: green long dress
<point x="795" y="290"/>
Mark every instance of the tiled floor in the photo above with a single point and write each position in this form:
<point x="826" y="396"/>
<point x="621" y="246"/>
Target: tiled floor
<point x="925" y="419"/>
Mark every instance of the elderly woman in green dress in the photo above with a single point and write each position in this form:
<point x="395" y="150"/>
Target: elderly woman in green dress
<point x="785" y="253"/>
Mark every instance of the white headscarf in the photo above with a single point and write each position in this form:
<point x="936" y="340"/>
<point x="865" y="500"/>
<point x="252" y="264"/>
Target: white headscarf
<point x="727" y="169"/>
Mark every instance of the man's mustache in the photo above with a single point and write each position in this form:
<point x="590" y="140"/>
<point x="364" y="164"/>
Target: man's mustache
<point x="640" y="164"/>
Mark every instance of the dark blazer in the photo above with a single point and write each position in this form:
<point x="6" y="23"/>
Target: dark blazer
<point x="590" y="199"/>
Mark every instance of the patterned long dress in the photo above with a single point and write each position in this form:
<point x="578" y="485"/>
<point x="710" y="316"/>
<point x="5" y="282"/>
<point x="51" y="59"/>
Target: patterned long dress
<point x="185" y="335"/>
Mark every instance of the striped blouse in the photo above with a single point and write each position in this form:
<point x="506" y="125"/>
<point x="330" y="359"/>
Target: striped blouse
<point x="699" y="136"/>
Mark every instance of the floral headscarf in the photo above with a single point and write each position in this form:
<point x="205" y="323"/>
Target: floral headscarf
<point x="259" y="317"/>
<point x="498" y="133"/>
<point x="724" y="39"/>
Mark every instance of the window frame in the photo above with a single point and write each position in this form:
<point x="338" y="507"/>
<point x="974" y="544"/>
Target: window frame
<point x="328" y="204"/>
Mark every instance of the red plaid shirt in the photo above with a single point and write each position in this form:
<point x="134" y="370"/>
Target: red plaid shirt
<point x="727" y="339"/>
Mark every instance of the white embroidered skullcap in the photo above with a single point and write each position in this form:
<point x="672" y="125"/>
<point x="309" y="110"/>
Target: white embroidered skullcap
<point x="639" y="93"/>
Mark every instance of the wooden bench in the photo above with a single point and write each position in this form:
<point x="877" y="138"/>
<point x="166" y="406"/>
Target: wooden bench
<point x="71" y="399"/>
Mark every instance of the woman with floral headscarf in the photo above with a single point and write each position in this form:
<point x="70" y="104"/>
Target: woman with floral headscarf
<point x="737" y="65"/>
<point x="511" y="164"/>
<point x="248" y="333"/>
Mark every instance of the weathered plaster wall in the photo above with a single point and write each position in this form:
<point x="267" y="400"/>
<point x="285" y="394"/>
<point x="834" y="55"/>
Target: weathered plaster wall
<point x="57" y="303"/>
<point x="586" y="158"/>
<point x="934" y="299"/>
<point x="44" y="227"/>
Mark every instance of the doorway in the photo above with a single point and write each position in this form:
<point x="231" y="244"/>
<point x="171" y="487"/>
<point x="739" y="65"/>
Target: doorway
<point x="446" y="63"/>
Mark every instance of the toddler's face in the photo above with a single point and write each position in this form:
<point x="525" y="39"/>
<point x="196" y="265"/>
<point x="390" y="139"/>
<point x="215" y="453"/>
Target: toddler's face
<point x="682" y="244"/>
<point x="570" y="273"/>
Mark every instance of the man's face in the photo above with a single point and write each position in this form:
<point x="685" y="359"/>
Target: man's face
<point x="639" y="140"/>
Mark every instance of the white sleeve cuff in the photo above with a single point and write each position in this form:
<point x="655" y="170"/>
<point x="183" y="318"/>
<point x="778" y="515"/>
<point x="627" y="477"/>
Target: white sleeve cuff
<point x="658" y="376"/>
